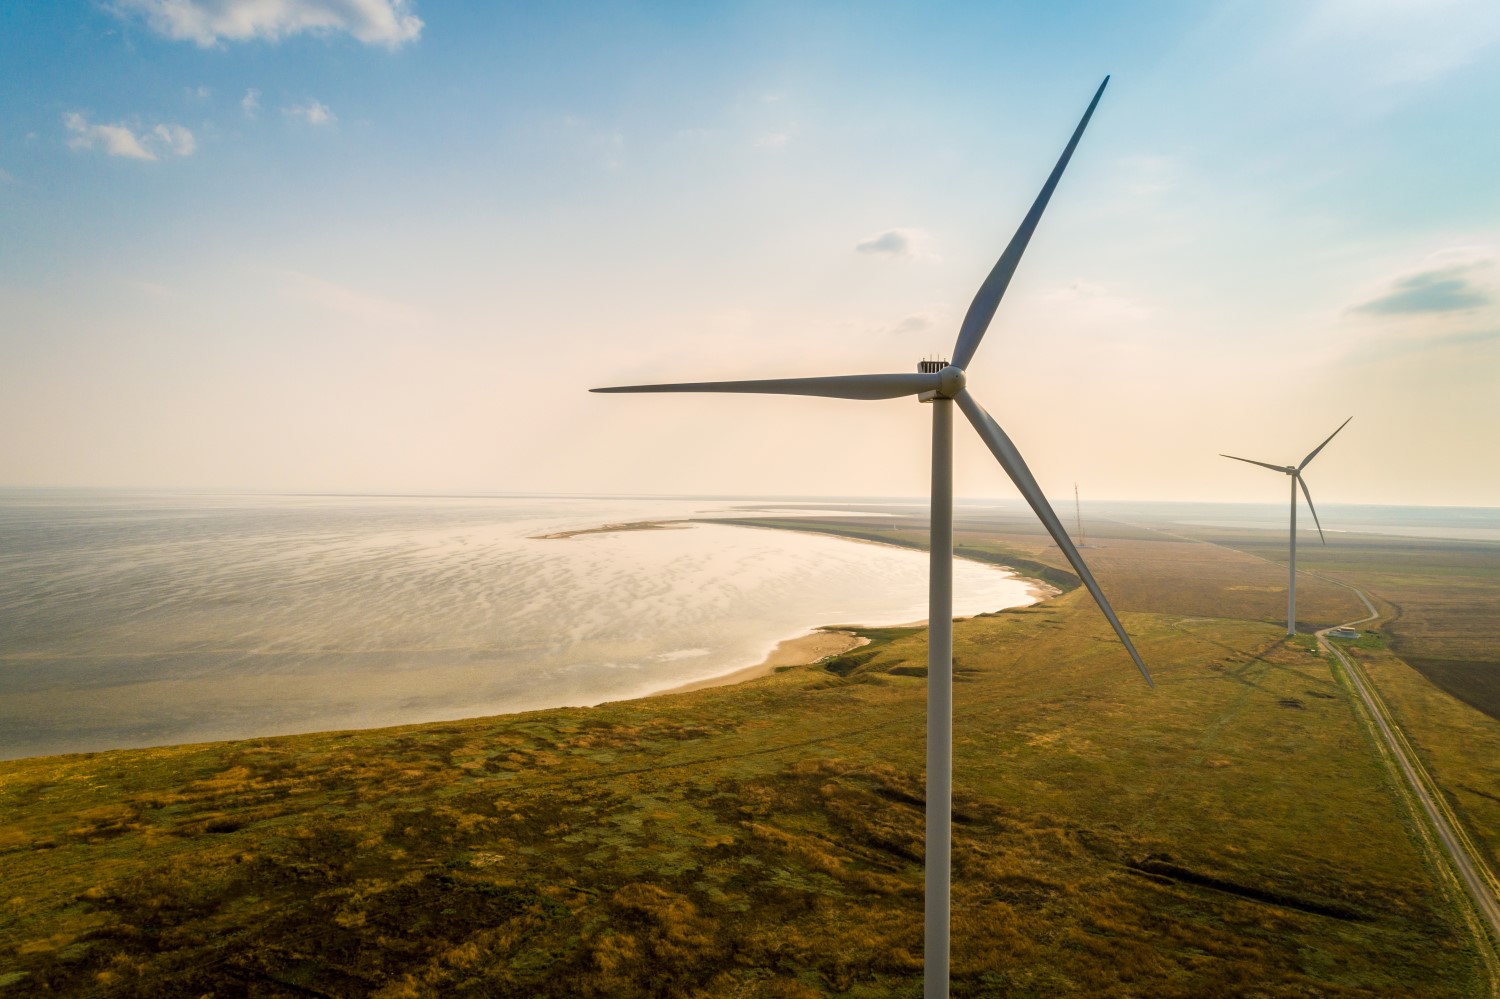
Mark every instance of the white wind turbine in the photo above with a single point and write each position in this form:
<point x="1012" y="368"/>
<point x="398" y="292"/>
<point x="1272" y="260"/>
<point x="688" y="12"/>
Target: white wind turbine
<point x="1295" y="471"/>
<point x="942" y="384"/>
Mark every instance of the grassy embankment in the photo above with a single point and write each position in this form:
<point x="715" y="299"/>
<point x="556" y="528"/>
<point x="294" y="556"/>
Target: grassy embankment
<point x="1228" y="833"/>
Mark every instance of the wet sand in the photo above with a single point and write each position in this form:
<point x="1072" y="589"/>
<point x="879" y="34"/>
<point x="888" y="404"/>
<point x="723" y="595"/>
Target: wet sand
<point x="800" y="651"/>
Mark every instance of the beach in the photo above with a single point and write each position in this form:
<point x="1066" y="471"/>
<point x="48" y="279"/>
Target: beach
<point x="803" y="650"/>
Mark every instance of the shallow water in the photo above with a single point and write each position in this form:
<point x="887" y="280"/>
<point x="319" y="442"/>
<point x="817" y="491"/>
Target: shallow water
<point x="132" y="619"/>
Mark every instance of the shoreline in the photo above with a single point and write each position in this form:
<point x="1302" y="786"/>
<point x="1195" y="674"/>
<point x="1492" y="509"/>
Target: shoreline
<point x="803" y="650"/>
<point x="832" y="640"/>
<point x="1037" y="589"/>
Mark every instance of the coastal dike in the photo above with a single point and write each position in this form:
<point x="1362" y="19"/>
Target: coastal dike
<point x="1234" y="831"/>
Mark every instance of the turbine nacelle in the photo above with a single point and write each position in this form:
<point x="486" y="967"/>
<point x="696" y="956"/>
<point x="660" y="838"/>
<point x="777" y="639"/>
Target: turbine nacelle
<point x="951" y="381"/>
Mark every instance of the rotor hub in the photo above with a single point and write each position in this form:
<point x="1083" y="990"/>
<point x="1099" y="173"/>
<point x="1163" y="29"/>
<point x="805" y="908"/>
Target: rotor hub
<point x="951" y="380"/>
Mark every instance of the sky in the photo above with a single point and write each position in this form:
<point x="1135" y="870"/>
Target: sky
<point x="387" y="245"/>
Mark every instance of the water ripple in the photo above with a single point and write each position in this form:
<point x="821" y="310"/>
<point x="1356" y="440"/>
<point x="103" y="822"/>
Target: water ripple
<point x="132" y="620"/>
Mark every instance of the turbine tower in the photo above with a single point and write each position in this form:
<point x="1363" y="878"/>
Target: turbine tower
<point x="1295" y="471"/>
<point x="942" y="384"/>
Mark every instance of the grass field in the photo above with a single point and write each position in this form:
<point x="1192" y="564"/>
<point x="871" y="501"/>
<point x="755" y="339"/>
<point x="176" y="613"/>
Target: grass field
<point x="1459" y="745"/>
<point x="1435" y="658"/>
<point x="1229" y="833"/>
<point x="1441" y="600"/>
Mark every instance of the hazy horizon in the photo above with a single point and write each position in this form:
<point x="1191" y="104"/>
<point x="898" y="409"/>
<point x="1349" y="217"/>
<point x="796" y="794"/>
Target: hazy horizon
<point x="387" y="247"/>
<point x="914" y="499"/>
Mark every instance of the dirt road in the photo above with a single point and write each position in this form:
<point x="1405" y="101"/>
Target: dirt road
<point x="1464" y="860"/>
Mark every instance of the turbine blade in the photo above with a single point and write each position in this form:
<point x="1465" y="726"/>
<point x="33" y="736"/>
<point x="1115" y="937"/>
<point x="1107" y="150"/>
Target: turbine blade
<point x="1320" y="447"/>
<point x="891" y="386"/>
<point x="1308" y="496"/>
<point x="1262" y="464"/>
<point x="982" y="309"/>
<point x="1010" y="459"/>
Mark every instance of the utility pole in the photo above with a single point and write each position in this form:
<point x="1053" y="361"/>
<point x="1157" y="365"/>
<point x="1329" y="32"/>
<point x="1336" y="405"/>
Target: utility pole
<point x="1078" y="514"/>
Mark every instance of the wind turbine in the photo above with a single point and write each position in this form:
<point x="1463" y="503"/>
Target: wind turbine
<point x="942" y="384"/>
<point x="1295" y="471"/>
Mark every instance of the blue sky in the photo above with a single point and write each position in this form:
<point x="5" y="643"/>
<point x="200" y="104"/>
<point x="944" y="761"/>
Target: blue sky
<point x="370" y="245"/>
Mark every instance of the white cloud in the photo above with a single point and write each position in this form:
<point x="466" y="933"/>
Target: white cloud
<point x="904" y="243"/>
<point x="918" y="326"/>
<point x="122" y="140"/>
<point x="892" y="242"/>
<point x="1459" y="284"/>
<point x="250" y="103"/>
<point x="117" y="140"/>
<point x="1445" y="300"/>
<point x="313" y="112"/>
<point x="914" y="323"/>
<point x="177" y="139"/>
<point x="773" y="140"/>
<point x="209" y="22"/>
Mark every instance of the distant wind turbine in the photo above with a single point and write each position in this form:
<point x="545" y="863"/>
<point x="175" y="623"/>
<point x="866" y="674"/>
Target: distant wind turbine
<point x="1295" y="471"/>
<point x="942" y="384"/>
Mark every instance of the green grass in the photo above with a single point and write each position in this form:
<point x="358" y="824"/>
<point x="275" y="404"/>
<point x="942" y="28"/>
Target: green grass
<point x="1458" y="744"/>
<point x="1440" y="599"/>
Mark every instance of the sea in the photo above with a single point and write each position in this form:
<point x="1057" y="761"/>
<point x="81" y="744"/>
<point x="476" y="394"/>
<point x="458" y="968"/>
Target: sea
<point x="137" y="619"/>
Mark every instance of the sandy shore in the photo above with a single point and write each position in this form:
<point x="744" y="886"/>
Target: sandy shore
<point x="792" y="652"/>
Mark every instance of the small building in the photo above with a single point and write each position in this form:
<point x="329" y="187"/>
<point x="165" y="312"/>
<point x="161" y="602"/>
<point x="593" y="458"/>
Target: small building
<point x="1343" y="633"/>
